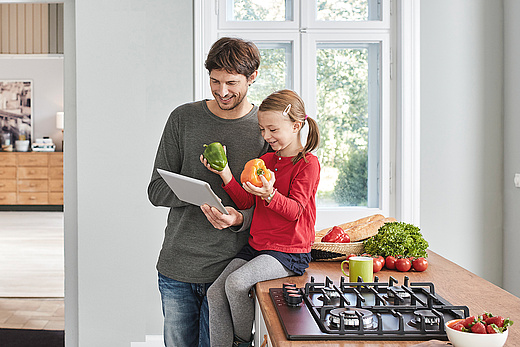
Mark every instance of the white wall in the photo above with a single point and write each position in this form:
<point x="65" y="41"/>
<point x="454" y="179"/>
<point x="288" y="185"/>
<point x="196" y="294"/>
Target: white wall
<point x="46" y="74"/>
<point x="133" y="63"/>
<point x="511" y="145"/>
<point x="461" y="132"/>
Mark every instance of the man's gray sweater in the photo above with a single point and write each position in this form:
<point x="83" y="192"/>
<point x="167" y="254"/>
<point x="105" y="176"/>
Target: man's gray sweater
<point x="193" y="250"/>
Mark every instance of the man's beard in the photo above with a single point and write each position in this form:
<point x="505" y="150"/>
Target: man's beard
<point x="230" y="107"/>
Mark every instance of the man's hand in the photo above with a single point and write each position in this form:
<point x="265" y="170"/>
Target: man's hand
<point x="220" y="220"/>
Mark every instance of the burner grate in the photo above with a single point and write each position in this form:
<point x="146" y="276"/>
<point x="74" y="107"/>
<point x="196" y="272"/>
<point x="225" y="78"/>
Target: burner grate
<point x="411" y="311"/>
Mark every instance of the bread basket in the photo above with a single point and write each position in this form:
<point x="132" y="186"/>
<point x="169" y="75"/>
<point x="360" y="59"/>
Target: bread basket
<point x="332" y="251"/>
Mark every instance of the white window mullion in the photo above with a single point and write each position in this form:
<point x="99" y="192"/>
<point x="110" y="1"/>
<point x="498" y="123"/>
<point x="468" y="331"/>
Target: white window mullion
<point x="385" y="128"/>
<point x="375" y="110"/>
<point x="308" y="75"/>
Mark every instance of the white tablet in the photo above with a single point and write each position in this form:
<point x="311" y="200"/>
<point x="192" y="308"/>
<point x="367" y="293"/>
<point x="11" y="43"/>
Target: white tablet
<point x="192" y="190"/>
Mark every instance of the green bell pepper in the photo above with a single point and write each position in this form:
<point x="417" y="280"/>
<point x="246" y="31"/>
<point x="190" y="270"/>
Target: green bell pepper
<point x="215" y="155"/>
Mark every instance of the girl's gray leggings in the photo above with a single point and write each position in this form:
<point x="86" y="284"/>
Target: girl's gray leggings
<point x="231" y="309"/>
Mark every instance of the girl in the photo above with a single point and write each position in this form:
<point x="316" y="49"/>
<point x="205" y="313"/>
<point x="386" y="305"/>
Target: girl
<point x="282" y="229"/>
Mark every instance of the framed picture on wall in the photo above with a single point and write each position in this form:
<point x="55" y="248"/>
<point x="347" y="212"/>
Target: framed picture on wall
<point x="15" y="114"/>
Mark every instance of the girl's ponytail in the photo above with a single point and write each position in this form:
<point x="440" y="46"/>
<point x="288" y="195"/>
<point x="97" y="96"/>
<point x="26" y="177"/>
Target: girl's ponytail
<point x="313" y="139"/>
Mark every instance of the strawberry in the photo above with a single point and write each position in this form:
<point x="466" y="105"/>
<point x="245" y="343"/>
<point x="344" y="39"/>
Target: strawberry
<point x="497" y="320"/>
<point x="492" y="329"/>
<point x="468" y="322"/>
<point x="478" y="328"/>
<point x="458" y="326"/>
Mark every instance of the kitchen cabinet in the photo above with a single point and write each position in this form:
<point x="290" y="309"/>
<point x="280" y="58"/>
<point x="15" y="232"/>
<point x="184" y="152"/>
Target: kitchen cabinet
<point x="452" y="282"/>
<point x="31" y="178"/>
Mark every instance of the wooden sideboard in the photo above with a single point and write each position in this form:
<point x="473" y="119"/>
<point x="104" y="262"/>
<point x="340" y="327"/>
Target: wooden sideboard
<point x="31" y="178"/>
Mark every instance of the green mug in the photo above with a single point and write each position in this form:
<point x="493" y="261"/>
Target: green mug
<point x="359" y="266"/>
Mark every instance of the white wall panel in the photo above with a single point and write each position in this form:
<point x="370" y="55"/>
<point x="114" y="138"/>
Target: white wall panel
<point x="461" y="132"/>
<point x="511" y="271"/>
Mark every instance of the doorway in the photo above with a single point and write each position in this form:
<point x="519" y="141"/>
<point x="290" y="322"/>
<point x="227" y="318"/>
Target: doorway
<point x="32" y="237"/>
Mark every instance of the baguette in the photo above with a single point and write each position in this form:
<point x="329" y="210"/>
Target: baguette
<point x="361" y="221"/>
<point x="364" y="231"/>
<point x="319" y="234"/>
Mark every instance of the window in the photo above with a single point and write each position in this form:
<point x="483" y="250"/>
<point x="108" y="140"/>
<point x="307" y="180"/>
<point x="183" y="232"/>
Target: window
<point x="337" y="54"/>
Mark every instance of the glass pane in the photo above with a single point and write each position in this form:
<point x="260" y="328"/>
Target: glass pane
<point x="348" y="116"/>
<point x="259" y="10"/>
<point x="347" y="10"/>
<point x="273" y="73"/>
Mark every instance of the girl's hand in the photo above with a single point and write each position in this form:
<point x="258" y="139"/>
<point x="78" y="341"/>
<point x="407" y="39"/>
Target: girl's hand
<point x="265" y="190"/>
<point x="225" y="174"/>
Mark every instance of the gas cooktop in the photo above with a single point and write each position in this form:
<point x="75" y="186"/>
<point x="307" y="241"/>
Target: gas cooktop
<point x="363" y="311"/>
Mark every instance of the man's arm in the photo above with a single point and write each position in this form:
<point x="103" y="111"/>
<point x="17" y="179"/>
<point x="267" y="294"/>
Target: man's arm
<point x="168" y="157"/>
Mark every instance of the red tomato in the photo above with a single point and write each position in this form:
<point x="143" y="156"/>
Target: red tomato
<point x="390" y="262"/>
<point x="382" y="259"/>
<point x="378" y="264"/>
<point x="403" y="264"/>
<point x="420" y="264"/>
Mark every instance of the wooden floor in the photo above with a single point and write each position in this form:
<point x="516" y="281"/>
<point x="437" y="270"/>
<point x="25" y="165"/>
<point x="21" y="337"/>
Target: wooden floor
<point x="47" y="314"/>
<point x="31" y="270"/>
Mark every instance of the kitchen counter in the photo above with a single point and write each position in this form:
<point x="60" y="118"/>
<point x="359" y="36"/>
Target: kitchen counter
<point x="452" y="282"/>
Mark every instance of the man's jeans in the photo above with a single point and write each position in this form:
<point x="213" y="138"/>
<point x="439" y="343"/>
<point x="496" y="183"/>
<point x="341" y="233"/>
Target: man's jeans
<point x="185" y="310"/>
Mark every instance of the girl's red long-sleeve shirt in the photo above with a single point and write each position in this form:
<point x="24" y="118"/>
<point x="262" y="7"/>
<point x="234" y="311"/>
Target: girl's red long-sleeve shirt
<point x="286" y="224"/>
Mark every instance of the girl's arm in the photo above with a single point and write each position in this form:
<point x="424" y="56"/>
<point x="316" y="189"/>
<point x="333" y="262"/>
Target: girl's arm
<point x="240" y="197"/>
<point x="225" y="174"/>
<point x="243" y="199"/>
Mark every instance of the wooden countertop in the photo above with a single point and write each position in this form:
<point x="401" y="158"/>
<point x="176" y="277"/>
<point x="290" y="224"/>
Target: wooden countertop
<point x="452" y="282"/>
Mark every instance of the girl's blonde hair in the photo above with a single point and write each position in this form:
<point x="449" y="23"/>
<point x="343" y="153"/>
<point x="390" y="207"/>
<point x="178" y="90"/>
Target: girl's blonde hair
<point x="279" y="101"/>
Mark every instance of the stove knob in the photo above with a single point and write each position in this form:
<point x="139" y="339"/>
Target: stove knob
<point x="294" y="299"/>
<point x="287" y="286"/>
<point x="290" y="291"/>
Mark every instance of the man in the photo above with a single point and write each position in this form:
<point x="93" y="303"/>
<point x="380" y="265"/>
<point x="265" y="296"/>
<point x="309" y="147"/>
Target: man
<point x="198" y="244"/>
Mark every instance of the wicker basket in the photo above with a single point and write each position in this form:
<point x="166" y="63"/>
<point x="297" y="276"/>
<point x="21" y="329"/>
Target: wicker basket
<point x="331" y="251"/>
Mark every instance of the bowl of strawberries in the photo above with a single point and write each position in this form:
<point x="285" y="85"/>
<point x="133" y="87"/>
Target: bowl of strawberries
<point x="486" y="330"/>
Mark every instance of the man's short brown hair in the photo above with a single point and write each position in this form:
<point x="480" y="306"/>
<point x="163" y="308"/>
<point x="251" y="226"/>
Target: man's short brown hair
<point x="233" y="55"/>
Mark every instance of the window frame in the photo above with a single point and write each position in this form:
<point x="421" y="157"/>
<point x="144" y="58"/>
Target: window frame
<point x="252" y="25"/>
<point x="309" y="43"/>
<point x="400" y="122"/>
<point x="309" y="14"/>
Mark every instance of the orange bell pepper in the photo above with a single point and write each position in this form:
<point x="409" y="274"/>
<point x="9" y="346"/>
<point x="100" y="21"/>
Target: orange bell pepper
<point x="252" y="172"/>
